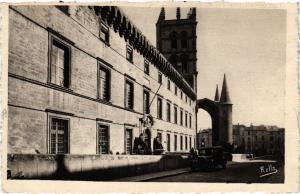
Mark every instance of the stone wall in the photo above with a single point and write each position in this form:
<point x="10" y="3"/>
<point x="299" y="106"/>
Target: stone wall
<point x="89" y="167"/>
<point x="31" y="96"/>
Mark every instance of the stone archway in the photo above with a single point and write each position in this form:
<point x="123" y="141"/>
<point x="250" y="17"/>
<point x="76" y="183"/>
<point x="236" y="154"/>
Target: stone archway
<point x="220" y="111"/>
<point x="221" y="118"/>
<point x="212" y="109"/>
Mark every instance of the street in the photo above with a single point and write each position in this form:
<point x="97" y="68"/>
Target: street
<point x="247" y="172"/>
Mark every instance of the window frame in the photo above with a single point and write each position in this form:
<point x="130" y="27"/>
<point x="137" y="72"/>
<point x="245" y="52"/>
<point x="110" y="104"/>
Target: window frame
<point x="160" y="111"/>
<point x="125" y="140"/>
<point x="175" y="114"/>
<point x="129" y="53"/>
<point x="146" y="67"/>
<point x="125" y="94"/>
<point x="105" y="28"/>
<point x="65" y="45"/>
<point x="186" y="119"/>
<point x="181" y="116"/>
<point x="181" y="142"/>
<point x="168" y="141"/>
<point x="169" y="84"/>
<point x="101" y="65"/>
<point x="190" y="123"/>
<point x="49" y="132"/>
<point x="98" y="124"/>
<point x="159" y="79"/>
<point x="146" y="91"/>
<point x="168" y="111"/>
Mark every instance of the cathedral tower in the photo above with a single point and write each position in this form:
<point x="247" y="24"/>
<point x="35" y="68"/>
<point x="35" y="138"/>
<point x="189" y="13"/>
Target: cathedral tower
<point x="176" y="40"/>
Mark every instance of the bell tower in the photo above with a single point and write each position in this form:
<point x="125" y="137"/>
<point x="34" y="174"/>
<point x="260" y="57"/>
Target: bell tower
<point x="176" y="40"/>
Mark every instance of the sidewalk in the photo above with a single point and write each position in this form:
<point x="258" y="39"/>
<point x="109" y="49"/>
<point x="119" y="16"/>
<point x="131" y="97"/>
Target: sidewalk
<point x="155" y="175"/>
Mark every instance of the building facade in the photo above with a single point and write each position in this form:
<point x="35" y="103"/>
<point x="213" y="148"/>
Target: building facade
<point x="259" y="140"/>
<point x="177" y="39"/>
<point x="204" y="138"/>
<point x="85" y="80"/>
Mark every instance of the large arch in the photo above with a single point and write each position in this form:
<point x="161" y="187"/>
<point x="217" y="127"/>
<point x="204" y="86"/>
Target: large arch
<point x="221" y="118"/>
<point x="212" y="109"/>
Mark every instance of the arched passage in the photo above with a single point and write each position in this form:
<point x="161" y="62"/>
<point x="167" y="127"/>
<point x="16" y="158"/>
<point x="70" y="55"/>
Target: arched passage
<point x="211" y="107"/>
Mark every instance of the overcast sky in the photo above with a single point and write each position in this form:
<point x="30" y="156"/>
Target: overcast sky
<point x="248" y="45"/>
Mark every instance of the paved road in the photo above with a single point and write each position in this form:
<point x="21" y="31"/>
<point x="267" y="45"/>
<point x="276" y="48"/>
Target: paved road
<point x="248" y="172"/>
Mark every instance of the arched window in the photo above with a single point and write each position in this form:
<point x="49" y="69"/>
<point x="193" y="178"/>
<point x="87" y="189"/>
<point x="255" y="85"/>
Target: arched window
<point x="173" y="39"/>
<point x="174" y="61"/>
<point x="184" y="39"/>
<point x="184" y="63"/>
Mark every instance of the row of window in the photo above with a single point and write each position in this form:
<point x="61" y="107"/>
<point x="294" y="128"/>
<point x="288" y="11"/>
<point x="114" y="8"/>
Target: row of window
<point x="60" y="75"/>
<point x="174" y="39"/>
<point x="188" y="117"/>
<point x="181" y="67"/>
<point x="182" y="146"/>
<point x="59" y="137"/>
<point x="60" y="63"/>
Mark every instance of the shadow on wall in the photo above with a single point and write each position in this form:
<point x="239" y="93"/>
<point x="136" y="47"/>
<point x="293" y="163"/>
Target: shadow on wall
<point x="88" y="167"/>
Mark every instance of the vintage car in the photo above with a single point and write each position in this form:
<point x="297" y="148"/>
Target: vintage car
<point x="210" y="158"/>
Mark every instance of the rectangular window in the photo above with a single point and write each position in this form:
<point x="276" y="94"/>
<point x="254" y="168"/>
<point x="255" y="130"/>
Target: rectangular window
<point x="60" y="63"/>
<point x="168" y="112"/>
<point x="190" y="101"/>
<point x="169" y="85"/>
<point x="190" y="142"/>
<point x="59" y="136"/>
<point x="186" y="120"/>
<point x="175" y="114"/>
<point x="168" y="142"/>
<point x="129" y="98"/>
<point x="146" y="67"/>
<point x="186" y="98"/>
<point x="181" y="142"/>
<point x="190" y="121"/>
<point x="146" y="102"/>
<point x="104" y="83"/>
<point x="104" y="32"/>
<point x="159" y="108"/>
<point x="181" y="95"/>
<point x="128" y="141"/>
<point x="129" y="53"/>
<point x="181" y="117"/>
<point x="175" y="90"/>
<point x="175" y="142"/>
<point x="159" y="78"/>
<point x="186" y="143"/>
<point x="103" y="139"/>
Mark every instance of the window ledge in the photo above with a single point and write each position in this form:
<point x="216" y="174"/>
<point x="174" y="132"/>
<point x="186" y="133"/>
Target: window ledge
<point x="104" y="101"/>
<point x="61" y="88"/>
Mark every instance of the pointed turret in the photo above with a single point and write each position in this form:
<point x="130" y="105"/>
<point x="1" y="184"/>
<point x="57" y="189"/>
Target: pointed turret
<point x="225" y="93"/>
<point x="217" y="97"/>
<point x="192" y="13"/>
<point x="162" y="14"/>
<point x="178" y="13"/>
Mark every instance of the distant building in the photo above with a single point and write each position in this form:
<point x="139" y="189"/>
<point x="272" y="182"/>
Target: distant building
<point x="204" y="138"/>
<point x="258" y="140"/>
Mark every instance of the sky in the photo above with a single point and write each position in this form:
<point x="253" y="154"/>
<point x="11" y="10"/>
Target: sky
<point x="248" y="45"/>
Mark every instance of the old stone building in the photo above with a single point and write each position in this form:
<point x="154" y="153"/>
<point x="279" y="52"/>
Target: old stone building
<point x="85" y="80"/>
<point x="258" y="140"/>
